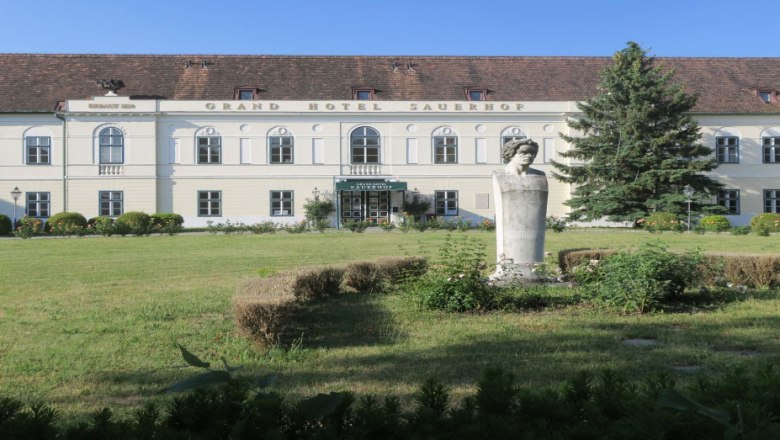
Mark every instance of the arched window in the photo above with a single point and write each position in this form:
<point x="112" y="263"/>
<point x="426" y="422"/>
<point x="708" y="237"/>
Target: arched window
<point x="445" y="146"/>
<point x="111" y="142"/>
<point x="281" y="146"/>
<point x="365" y="145"/>
<point x="209" y="146"/>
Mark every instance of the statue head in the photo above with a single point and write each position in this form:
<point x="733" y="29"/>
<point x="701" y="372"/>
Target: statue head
<point x="519" y="154"/>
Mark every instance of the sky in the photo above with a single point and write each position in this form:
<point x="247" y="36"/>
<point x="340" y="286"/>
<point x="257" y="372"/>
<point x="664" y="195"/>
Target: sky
<point x="744" y="28"/>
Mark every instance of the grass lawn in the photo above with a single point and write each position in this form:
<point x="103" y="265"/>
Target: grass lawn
<point x="92" y="322"/>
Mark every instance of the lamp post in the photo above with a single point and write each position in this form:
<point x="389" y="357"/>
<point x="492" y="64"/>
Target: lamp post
<point x="688" y="191"/>
<point x="15" y="193"/>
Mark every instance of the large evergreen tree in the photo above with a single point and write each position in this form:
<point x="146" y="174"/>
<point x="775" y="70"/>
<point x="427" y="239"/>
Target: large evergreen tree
<point x="637" y="147"/>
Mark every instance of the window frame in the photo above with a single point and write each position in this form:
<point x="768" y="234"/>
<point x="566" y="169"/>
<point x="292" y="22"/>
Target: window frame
<point x="772" y="201"/>
<point x="212" y="203"/>
<point x="766" y="96"/>
<point x="472" y="91"/>
<point x="41" y="204"/>
<point x="239" y="90"/>
<point x="722" y="151"/>
<point x="770" y="147"/>
<point x="727" y="197"/>
<point x="281" y="147"/>
<point x="279" y="200"/>
<point x="211" y="149"/>
<point x="112" y="208"/>
<point x="441" y="149"/>
<point x="38" y="149"/>
<point x="358" y="91"/>
<point x="110" y="134"/>
<point x="365" y="137"/>
<point x="443" y="201"/>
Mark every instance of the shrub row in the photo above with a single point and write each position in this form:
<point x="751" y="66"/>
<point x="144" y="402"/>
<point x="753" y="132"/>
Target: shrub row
<point x="265" y="306"/>
<point x="755" y="271"/>
<point x="762" y="224"/>
<point x="73" y="223"/>
<point x="740" y="404"/>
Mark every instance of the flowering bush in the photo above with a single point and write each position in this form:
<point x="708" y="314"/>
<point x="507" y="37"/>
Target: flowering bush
<point x="101" y="225"/>
<point x="66" y="223"/>
<point x="487" y="225"/>
<point x="663" y="221"/>
<point x="715" y="223"/>
<point x="763" y="224"/>
<point x="28" y="226"/>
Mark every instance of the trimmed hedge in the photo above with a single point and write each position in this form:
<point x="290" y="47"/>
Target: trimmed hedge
<point x="133" y="222"/>
<point x="5" y="225"/>
<point x="768" y="222"/>
<point x="63" y="222"/>
<point x="715" y="223"/>
<point x="160" y="220"/>
<point x="568" y="259"/>
<point x="264" y="307"/>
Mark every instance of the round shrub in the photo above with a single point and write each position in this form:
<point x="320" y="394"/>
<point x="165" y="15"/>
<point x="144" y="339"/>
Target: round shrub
<point x="663" y="221"/>
<point x="765" y="223"/>
<point x="66" y="223"/>
<point x="101" y="225"/>
<point x="715" y="223"/>
<point x="159" y="220"/>
<point x="138" y="223"/>
<point x="5" y="225"/>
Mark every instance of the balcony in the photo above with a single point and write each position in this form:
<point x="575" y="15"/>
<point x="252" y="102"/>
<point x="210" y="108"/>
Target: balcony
<point x="363" y="170"/>
<point x="111" y="170"/>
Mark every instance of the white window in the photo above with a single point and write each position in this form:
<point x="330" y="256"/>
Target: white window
<point x="209" y="203"/>
<point x="111" y="142"/>
<point x="38" y="150"/>
<point x="727" y="149"/>
<point x="246" y="150"/>
<point x="281" y="203"/>
<point x="446" y="202"/>
<point x="111" y="203"/>
<point x="281" y="149"/>
<point x="38" y="204"/>
<point x="209" y="149"/>
<point x="411" y="150"/>
<point x="772" y="200"/>
<point x="771" y="149"/>
<point x="445" y="149"/>
<point x="365" y="145"/>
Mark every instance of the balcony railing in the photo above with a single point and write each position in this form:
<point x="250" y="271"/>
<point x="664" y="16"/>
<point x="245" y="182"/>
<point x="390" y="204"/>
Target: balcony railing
<point x="364" y="170"/>
<point x="111" y="170"/>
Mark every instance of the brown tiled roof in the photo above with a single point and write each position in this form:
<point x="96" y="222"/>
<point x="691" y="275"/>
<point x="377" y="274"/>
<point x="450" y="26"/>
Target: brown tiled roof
<point x="35" y="83"/>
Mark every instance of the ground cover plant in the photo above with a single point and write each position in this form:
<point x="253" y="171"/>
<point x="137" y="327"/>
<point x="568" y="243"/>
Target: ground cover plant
<point x="93" y="322"/>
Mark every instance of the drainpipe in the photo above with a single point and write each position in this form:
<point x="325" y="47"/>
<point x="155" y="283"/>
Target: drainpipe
<point x="61" y="117"/>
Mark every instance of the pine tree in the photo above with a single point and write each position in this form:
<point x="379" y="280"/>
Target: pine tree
<point x="639" y="146"/>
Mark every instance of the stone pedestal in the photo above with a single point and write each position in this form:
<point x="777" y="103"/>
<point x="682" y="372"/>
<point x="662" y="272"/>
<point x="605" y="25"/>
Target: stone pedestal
<point x="521" y="207"/>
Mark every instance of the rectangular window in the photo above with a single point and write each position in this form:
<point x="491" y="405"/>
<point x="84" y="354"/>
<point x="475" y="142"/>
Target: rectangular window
<point x="38" y="204"/>
<point x="209" y="149"/>
<point x="281" y="203"/>
<point x="445" y="149"/>
<point x="38" y="150"/>
<point x="446" y="203"/>
<point x="411" y="150"/>
<point x="281" y="149"/>
<point x="481" y="153"/>
<point x="476" y="94"/>
<point x="111" y="203"/>
<point x="363" y="94"/>
<point x="771" y="149"/>
<point x="727" y="149"/>
<point x="318" y="151"/>
<point x="729" y="199"/>
<point x="246" y="94"/>
<point x="209" y="203"/>
<point x="772" y="200"/>
<point x="246" y="150"/>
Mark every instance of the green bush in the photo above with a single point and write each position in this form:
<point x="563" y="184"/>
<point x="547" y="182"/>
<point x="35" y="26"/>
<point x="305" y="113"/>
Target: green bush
<point x="266" y="227"/>
<point x="296" y="228"/>
<point x="318" y="209"/>
<point x="556" y="224"/>
<point x="765" y="223"/>
<point x="663" y="221"/>
<point x="160" y="219"/>
<point x="28" y="226"/>
<point x="66" y="223"/>
<point x="5" y="225"/>
<point x="715" y="223"/>
<point x="456" y="282"/>
<point x="356" y="226"/>
<point x="740" y="230"/>
<point x="101" y="225"/>
<point x="637" y="282"/>
<point x="138" y="223"/>
<point x="316" y="283"/>
<point x="568" y="259"/>
<point x="362" y="277"/>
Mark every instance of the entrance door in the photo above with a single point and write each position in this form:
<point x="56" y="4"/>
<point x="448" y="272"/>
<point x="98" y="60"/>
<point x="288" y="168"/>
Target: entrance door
<point x="371" y="206"/>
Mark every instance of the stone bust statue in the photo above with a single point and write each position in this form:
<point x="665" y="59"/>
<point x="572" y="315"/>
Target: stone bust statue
<point x="518" y="155"/>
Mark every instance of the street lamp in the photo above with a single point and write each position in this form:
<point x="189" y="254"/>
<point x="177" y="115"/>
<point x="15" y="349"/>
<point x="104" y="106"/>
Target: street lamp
<point x="15" y="193"/>
<point x="688" y="191"/>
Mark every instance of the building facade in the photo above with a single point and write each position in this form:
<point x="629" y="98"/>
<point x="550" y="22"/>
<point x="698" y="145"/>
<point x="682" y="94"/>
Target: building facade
<point x="251" y="138"/>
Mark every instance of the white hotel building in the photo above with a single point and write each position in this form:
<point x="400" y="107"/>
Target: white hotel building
<point x="249" y="138"/>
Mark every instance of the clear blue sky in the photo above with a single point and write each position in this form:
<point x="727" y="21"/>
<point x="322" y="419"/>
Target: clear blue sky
<point x="401" y="27"/>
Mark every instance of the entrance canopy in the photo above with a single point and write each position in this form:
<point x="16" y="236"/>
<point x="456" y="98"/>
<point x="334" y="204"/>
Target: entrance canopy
<point x="370" y="185"/>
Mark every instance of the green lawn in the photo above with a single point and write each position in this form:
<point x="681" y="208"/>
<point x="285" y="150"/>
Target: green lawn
<point x="90" y="322"/>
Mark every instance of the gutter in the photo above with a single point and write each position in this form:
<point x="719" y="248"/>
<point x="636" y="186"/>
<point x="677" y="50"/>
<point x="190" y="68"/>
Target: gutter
<point x="61" y="117"/>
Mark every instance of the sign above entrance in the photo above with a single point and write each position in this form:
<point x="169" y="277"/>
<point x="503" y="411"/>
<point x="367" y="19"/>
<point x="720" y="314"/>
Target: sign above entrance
<point x="370" y="185"/>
